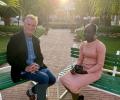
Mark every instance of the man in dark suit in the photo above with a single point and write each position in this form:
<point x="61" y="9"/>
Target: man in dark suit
<point x="26" y="60"/>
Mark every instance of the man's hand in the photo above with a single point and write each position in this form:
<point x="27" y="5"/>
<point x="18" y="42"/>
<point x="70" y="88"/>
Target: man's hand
<point x="32" y="68"/>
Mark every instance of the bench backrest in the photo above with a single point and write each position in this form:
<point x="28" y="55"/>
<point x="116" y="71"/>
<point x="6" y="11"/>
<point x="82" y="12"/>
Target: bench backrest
<point x="3" y="58"/>
<point x="5" y="78"/>
<point x="111" y="60"/>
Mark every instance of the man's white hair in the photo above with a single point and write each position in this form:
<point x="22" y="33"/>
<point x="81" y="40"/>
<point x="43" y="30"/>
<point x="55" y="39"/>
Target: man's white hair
<point x="31" y="16"/>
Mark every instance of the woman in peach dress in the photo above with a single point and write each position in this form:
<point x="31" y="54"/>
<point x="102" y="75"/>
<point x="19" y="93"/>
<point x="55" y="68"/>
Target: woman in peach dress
<point x="92" y="55"/>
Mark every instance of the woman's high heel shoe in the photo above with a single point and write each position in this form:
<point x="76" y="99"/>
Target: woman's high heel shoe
<point x="81" y="97"/>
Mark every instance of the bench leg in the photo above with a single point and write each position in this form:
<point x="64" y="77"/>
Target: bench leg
<point x="59" y="97"/>
<point x="0" y="96"/>
<point x="63" y="94"/>
<point x="58" y="91"/>
<point x="34" y="83"/>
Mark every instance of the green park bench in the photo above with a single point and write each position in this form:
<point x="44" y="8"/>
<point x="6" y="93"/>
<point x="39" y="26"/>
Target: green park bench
<point x="5" y="78"/>
<point x="109" y="81"/>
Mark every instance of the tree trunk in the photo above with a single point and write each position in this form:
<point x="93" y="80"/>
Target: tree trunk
<point x="116" y="19"/>
<point x="105" y="20"/>
<point x="7" y="21"/>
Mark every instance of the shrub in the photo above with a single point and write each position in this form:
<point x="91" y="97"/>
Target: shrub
<point x="111" y="29"/>
<point x="11" y="29"/>
<point x="40" y="31"/>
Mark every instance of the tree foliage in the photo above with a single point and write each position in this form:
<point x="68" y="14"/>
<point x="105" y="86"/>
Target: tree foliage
<point x="9" y="10"/>
<point x="101" y="8"/>
<point x="41" y="8"/>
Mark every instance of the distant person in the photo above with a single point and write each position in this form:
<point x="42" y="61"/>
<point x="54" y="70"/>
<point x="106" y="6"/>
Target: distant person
<point x="26" y="60"/>
<point x="88" y="68"/>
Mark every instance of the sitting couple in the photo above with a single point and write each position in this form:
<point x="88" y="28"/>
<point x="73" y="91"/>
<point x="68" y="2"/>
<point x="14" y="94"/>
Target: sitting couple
<point x="26" y="60"/>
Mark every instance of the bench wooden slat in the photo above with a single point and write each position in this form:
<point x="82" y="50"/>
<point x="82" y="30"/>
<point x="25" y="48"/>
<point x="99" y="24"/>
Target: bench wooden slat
<point x="75" y="56"/>
<point x="4" y="74"/>
<point x="108" y="83"/>
<point x="3" y="61"/>
<point x="112" y="63"/>
<point x="112" y="58"/>
<point x="74" y="49"/>
<point x="6" y="82"/>
<point x="3" y="58"/>
<point x="117" y="58"/>
<point x="10" y="84"/>
<point x="75" y="52"/>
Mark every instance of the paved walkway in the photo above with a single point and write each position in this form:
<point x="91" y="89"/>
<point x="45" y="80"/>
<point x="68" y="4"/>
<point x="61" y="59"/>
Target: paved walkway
<point x="56" y="50"/>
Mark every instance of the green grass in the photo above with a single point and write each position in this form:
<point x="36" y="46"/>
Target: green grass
<point x="112" y="43"/>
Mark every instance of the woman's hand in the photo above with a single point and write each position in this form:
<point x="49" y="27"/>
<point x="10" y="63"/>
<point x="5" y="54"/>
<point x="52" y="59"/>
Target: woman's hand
<point x="79" y="69"/>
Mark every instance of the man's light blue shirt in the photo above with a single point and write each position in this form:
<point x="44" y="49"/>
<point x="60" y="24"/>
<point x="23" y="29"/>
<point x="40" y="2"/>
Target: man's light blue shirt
<point x="30" y="49"/>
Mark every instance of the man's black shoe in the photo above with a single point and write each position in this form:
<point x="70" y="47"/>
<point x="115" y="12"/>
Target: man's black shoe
<point x="30" y="94"/>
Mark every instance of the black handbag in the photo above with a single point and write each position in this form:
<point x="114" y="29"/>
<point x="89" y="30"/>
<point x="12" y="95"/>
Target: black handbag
<point x="78" y="69"/>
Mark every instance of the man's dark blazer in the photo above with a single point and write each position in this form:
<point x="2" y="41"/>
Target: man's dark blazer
<point x="17" y="54"/>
